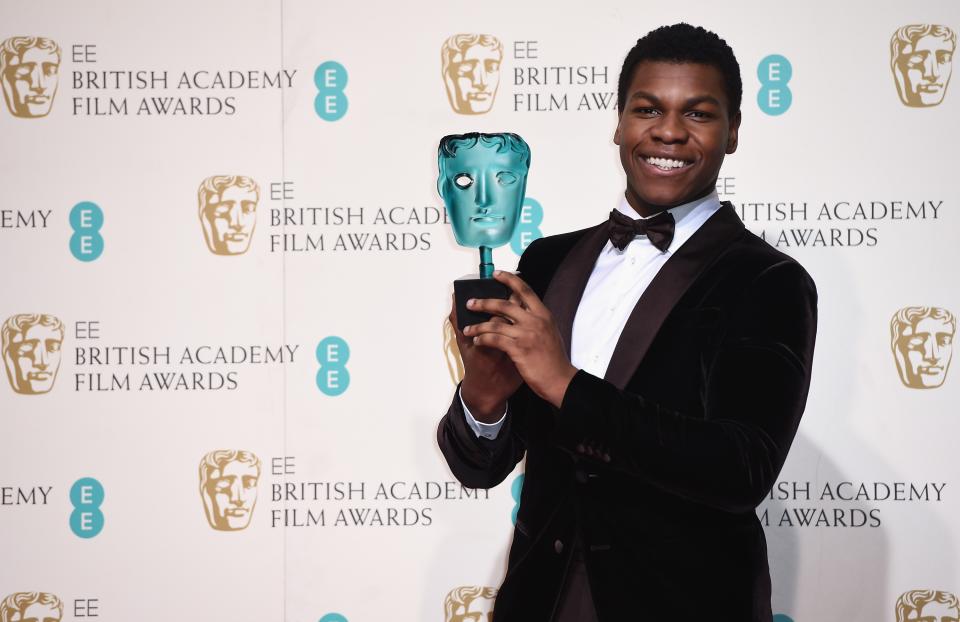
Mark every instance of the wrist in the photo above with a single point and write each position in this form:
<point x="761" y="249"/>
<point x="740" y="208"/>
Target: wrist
<point x="558" y="388"/>
<point x="483" y="407"/>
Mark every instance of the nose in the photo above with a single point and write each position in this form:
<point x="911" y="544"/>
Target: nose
<point x="479" y="75"/>
<point x="931" y="69"/>
<point x="40" y="358"/>
<point x="236" y="496"/>
<point x="483" y="195"/>
<point x="669" y="129"/>
<point x="235" y="213"/>
<point x="932" y="352"/>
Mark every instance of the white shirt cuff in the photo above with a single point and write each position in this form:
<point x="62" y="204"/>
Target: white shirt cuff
<point x="482" y="430"/>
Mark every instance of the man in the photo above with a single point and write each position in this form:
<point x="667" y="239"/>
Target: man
<point x="922" y="344"/>
<point x="31" y="607"/>
<point x="29" y="72"/>
<point x="228" y="213"/>
<point x="228" y="486"/>
<point x="921" y="57"/>
<point x="469" y="603"/>
<point x="471" y="71"/>
<point x="31" y="351"/>
<point x="928" y="606"/>
<point x="655" y="391"/>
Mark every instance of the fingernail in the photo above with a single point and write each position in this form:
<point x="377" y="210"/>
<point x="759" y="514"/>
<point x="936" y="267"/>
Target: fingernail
<point x="498" y="272"/>
<point x="476" y="340"/>
<point x="471" y="302"/>
<point x="466" y="330"/>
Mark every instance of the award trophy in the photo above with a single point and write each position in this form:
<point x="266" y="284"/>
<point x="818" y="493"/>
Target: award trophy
<point x="482" y="181"/>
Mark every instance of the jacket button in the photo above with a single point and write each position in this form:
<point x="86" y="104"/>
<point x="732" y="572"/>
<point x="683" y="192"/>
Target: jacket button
<point x="558" y="546"/>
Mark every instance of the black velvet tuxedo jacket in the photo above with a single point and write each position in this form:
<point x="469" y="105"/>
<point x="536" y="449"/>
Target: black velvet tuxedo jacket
<point x="656" y="469"/>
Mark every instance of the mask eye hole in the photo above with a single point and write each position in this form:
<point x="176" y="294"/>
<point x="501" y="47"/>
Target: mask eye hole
<point x="506" y="178"/>
<point x="463" y="180"/>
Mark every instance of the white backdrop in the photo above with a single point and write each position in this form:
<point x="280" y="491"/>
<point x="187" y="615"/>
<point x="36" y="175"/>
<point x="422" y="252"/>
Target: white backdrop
<point x="366" y="160"/>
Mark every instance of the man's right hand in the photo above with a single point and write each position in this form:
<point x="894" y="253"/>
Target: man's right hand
<point x="489" y="376"/>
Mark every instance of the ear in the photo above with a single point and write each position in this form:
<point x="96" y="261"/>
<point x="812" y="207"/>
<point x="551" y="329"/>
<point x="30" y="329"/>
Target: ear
<point x="616" y="132"/>
<point x="734" y="136"/>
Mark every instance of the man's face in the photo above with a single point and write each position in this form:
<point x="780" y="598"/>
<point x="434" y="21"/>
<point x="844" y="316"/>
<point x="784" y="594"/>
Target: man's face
<point x="30" y="84"/>
<point x="926" y="348"/>
<point x="38" y="613"/>
<point x="925" y="68"/>
<point x="233" y="493"/>
<point x="936" y="612"/>
<point x="483" y="190"/>
<point x="229" y="219"/>
<point x="475" y="74"/>
<point x="35" y="357"/>
<point x="673" y="133"/>
<point x="477" y="610"/>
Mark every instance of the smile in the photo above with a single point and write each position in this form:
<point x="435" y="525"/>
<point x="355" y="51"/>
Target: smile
<point x="39" y="375"/>
<point x="667" y="164"/>
<point x="487" y="219"/>
<point x="932" y="370"/>
<point x="235" y="237"/>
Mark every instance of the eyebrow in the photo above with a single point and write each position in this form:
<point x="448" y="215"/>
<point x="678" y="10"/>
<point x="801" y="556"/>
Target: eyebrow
<point x="693" y="101"/>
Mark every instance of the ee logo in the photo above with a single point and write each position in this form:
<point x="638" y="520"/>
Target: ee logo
<point x="528" y="228"/>
<point x="774" y="72"/>
<point x="330" y="103"/>
<point x="86" y="220"/>
<point x="515" y="488"/>
<point x="333" y="377"/>
<point x="86" y="496"/>
<point x="333" y="617"/>
<point x="782" y="617"/>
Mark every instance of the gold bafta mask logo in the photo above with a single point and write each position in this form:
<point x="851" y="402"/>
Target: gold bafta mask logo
<point x="31" y="607"/>
<point x="228" y="213"/>
<point x="921" y="57"/>
<point x="469" y="603"/>
<point x="927" y="606"/>
<point x="451" y="353"/>
<point x="471" y="72"/>
<point x="922" y="343"/>
<point x="29" y="72"/>
<point x="31" y="351"/>
<point x="228" y="486"/>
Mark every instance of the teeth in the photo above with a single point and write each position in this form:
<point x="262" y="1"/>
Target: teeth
<point x="666" y="163"/>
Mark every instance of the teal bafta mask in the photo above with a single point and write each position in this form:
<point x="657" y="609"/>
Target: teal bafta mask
<point x="482" y="180"/>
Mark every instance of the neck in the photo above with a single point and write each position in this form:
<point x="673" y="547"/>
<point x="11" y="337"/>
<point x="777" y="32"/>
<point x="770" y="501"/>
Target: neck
<point x="646" y="210"/>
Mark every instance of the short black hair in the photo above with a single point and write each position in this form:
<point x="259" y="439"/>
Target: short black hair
<point x="683" y="43"/>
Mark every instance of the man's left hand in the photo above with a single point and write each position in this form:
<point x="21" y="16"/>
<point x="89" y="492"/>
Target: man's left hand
<point x="530" y="338"/>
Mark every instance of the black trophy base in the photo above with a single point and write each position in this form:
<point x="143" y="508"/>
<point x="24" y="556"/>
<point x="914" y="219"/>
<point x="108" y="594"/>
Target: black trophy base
<point x="472" y="286"/>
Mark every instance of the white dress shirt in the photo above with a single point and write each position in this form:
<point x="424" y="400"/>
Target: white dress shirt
<point x="618" y="280"/>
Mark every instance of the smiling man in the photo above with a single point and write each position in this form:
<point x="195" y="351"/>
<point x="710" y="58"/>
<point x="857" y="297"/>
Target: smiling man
<point x="653" y="370"/>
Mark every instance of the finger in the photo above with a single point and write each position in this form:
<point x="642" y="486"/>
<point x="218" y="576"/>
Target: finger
<point x="493" y="326"/>
<point x="528" y="297"/>
<point x="497" y="306"/>
<point x="500" y="342"/>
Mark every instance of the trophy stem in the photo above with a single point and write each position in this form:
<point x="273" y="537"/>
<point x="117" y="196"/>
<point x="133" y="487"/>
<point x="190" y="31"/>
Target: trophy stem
<point x="486" y="262"/>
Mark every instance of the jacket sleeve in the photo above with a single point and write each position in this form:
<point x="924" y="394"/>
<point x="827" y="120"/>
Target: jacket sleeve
<point x="755" y="391"/>
<point x="479" y="462"/>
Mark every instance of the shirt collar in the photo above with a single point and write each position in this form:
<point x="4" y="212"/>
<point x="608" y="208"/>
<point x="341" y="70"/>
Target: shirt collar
<point x="688" y="217"/>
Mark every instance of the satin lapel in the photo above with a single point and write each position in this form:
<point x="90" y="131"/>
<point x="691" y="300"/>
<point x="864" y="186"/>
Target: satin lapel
<point x="566" y="287"/>
<point x="666" y="289"/>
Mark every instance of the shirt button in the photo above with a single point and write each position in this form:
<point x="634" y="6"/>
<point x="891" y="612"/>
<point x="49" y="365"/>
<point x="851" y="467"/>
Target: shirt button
<point x="633" y="261"/>
<point x="558" y="546"/>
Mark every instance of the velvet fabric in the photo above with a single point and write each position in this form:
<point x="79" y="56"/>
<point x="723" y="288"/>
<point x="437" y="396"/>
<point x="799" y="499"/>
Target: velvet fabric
<point x="657" y="468"/>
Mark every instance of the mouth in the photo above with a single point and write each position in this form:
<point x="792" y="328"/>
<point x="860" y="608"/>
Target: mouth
<point x="932" y="370"/>
<point x="487" y="219"/>
<point x="39" y="375"/>
<point x="933" y="87"/>
<point x="236" y="512"/>
<point x="235" y="237"/>
<point x="479" y="96"/>
<point x="666" y="166"/>
<point x="37" y="99"/>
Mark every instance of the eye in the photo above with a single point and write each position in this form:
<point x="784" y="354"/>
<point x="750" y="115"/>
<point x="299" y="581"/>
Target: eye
<point x="492" y="65"/>
<point x="506" y="178"/>
<point x="50" y="69"/>
<point x="249" y="482"/>
<point x="463" y="181"/>
<point x="222" y="484"/>
<point x="945" y="340"/>
<point x="698" y="114"/>
<point x="646" y="112"/>
<point x="221" y="210"/>
<point x="944" y="56"/>
<point x="22" y="71"/>
<point x="25" y="348"/>
<point x="915" y="342"/>
<point x="915" y="60"/>
<point x="249" y="207"/>
<point x="53" y="346"/>
<point x="466" y="67"/>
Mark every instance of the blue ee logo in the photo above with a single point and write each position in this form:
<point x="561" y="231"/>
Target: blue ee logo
<point x="86" y="496"/>
<point x="774" y="72"/>
<point x="528" y="227"/>
<point x="330" y="103"/>
<point x="86" y="220"/>
<point x="515" y="489"/>
<point x="333" y="377"/>
<point x="333" y="617"/>
<point x="782" y="617"/>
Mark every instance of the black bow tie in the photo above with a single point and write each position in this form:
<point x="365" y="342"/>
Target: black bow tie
<point x="658" y="229"/>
